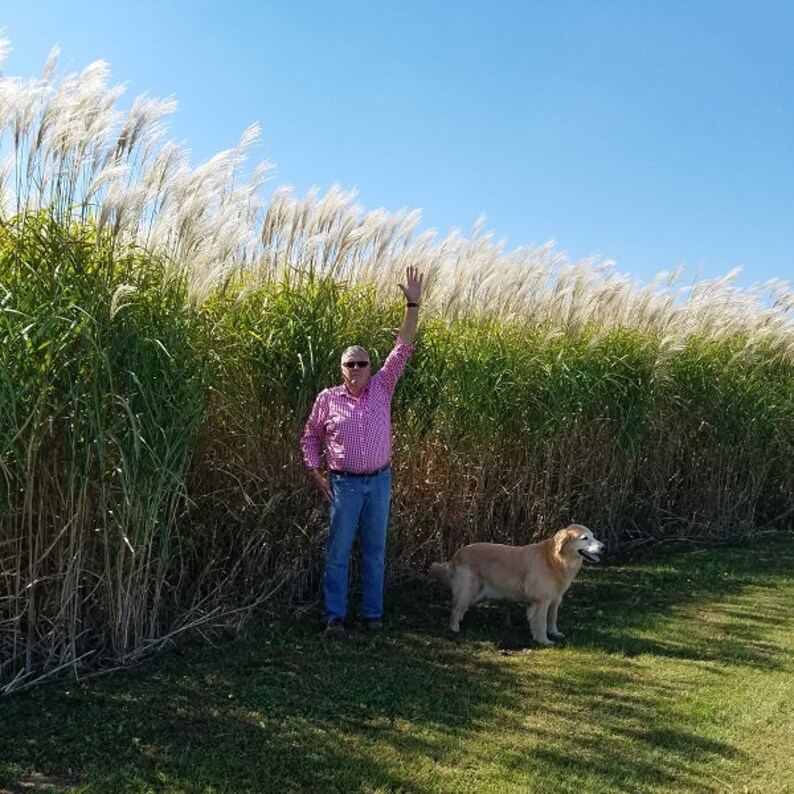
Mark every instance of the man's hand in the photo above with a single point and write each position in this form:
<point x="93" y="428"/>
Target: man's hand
<point x="322" y="484"/>
<point x="412" y="289"/>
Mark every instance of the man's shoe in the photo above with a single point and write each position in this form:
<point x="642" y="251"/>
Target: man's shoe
<point x="334" y="626"/>
<point x="373" y="624"/>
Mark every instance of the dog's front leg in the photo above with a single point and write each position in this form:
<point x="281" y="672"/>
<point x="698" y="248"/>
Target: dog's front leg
<point x="553" y="632"/>
<point x="536" y="615"/>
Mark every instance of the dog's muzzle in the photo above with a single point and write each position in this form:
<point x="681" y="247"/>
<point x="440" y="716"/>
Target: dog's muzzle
<point x="589" y="555"/>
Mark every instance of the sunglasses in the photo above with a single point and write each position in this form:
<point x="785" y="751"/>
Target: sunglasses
<point x="359" y="364"/>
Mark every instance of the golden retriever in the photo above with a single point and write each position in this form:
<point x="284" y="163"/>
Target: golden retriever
<point x="536" y="575"/>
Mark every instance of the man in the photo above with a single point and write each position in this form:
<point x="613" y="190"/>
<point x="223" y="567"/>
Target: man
<point x="353" y="424"/>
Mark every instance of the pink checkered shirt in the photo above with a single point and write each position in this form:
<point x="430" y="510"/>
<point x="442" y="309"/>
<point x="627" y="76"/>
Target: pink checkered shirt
<point x="356" y="432"/>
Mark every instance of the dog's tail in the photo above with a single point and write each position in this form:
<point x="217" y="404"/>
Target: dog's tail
<point x="442" y="571"/>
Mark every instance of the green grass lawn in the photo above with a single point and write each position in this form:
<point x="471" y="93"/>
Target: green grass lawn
<point x="677" y="676"/>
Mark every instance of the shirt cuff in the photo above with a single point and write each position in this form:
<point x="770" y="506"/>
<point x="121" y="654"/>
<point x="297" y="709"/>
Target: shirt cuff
<point x="312" y="461"/>
<point x="404" y="346"/>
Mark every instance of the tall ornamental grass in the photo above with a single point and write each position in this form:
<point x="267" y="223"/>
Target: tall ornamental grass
<point x="101" y="397"/>
<point x="165" y="328"/>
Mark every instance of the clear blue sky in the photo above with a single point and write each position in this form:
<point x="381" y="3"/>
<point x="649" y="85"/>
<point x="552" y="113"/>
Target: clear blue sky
<point x="656" y="133"/>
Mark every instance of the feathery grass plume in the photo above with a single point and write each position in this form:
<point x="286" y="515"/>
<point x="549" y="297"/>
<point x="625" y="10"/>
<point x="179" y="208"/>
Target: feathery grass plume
<point x="117" y="300"/>
<point x="73" y="152"/>
<point x="5" y="49"/>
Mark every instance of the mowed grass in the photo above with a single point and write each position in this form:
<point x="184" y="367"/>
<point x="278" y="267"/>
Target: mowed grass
<point x="676" y="676"/>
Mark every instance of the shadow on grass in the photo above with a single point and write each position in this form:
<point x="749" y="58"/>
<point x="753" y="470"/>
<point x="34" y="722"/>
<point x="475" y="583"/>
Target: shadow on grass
<point x="289" y="709"/>
<point x="414" y="709"/>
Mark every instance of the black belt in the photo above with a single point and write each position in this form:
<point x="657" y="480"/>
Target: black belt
<point x="361" y="473"/>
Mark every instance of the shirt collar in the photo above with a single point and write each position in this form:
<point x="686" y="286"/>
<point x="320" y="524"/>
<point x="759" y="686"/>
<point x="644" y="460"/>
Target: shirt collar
<point x="342" y="391"/>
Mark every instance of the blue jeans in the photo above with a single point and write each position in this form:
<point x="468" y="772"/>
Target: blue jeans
<point x="363" y="503"/>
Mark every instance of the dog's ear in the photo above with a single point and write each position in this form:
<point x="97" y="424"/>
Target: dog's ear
<point x="560" y="539"/>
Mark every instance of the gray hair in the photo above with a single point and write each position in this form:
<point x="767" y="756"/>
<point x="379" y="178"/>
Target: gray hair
<point x="354" y="350"/>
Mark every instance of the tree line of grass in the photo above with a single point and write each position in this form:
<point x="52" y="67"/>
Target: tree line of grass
<point x="152" y="481"/>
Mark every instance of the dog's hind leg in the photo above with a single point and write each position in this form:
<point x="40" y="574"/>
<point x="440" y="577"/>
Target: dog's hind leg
<point x="536" y="615"/>
<point x="458" y="611"/>
<point x="465" y="592"/>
